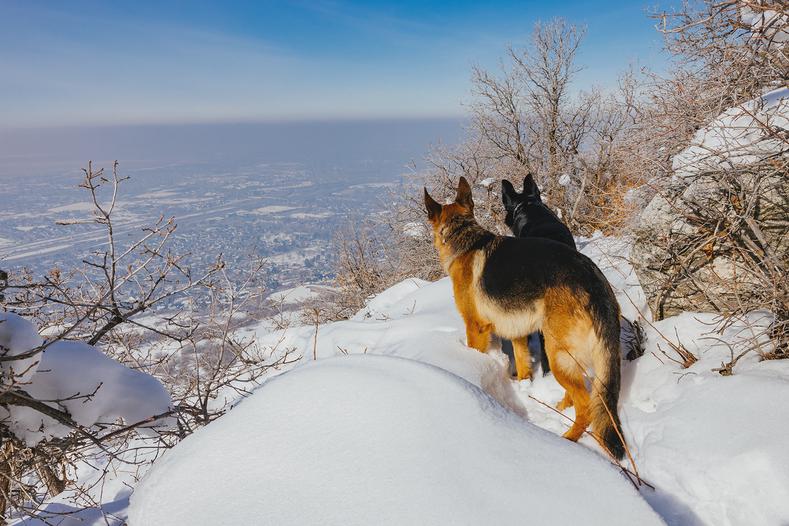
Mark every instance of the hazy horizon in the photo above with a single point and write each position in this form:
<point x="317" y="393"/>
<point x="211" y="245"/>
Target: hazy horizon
<point x="41" y="151"/>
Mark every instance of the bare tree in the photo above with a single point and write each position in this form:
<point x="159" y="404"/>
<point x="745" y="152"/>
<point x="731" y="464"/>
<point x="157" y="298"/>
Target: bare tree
<point x="525" y="119"/>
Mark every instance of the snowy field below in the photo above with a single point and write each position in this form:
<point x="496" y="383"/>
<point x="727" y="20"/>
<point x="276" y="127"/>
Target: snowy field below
<point x="390" y="418"/>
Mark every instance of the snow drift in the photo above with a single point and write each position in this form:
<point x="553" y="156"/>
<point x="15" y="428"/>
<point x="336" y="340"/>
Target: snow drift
<point x="380" y="440"/>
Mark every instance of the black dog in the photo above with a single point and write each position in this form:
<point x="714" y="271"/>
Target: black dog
<point x="527" y="216"/>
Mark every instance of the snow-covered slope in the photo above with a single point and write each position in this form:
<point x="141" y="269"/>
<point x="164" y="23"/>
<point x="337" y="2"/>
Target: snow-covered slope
<point x="347" y="432"/>
<point x="361" y="440"/>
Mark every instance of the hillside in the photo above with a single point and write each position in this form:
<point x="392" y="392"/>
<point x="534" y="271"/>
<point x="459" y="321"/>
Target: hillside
<point x="711" y="446"/>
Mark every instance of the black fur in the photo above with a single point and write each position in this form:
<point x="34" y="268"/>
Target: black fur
<point x="527" y="216"/>
<point x="520" y="270"/>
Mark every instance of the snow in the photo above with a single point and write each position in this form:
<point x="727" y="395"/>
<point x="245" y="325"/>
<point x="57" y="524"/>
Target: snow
<point x="710" y="444"/>
<point x="398" y="420"/>
<point x="771" y="24"/>
<point x="612" y="255"/>
<point x="292" y="296"/>
<point x="410" y="320"/>
<point x="380" y="440"/>
<point x="92" y="387"/>
<point x="738" y="136"/>
<point x="743" y="450"/>
<point x="102" y="482"/>
<point x="564" y="180"/>
<point x="17" y="336"/>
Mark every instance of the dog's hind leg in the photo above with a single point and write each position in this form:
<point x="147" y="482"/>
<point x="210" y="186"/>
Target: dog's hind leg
<point x="520" y="347"/>
<point x="569" y="372"/>
<point x="478" y="335"/>
<point x="579" y="397"/>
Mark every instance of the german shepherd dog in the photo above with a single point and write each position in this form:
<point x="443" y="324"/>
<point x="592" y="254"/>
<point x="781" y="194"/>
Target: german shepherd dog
<point x="515" y="286"/>
<point x="527" y="216"/>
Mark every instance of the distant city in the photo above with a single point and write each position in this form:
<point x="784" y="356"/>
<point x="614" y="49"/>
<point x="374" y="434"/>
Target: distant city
<point x="244" y="207"/>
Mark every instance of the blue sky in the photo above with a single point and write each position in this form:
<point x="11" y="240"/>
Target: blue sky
<point x="84" y="62"/>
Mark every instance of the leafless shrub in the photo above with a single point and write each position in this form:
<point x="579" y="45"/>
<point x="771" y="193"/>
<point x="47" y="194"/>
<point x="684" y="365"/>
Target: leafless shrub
<point x="527" y="120"/>
<point x="198" y="353"/>
<point x="380" y="251"/>
<point x="724" y="245"/>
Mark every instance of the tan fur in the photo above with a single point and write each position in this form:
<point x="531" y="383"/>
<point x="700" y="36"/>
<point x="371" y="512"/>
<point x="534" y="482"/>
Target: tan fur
<point x="570" y="341"/>
<point x="520" y="348"/>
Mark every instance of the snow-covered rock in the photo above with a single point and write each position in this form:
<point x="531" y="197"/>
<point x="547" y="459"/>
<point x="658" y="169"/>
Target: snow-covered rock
<point x="380" y="440"/>
<point x="771" y="25"/>
<point x="709" y="172"/>
<point x="740" y="135"/>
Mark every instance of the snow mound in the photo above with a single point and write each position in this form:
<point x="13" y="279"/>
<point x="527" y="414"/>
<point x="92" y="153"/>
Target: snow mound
<point x="92" y="387"/>
<point x="380" y="440"/>
<point x="413" y="319"/>
<point x="378" y="307"/>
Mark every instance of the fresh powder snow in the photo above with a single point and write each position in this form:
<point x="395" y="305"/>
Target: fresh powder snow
<point x="711" y="446"/>
<point x="361" y="440"/>
<point x="399" y="419"/>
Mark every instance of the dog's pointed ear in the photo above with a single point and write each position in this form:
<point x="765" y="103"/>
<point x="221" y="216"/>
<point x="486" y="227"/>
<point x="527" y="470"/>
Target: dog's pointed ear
<point x="463" y="197"/>
<point x="433" y="208"/>
<point x="508" y="193"/>
<point x="530" y="187"/>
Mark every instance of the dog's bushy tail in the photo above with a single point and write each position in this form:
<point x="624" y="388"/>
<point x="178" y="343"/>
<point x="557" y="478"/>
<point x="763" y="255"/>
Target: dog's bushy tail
<point x="606" y="362"/>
